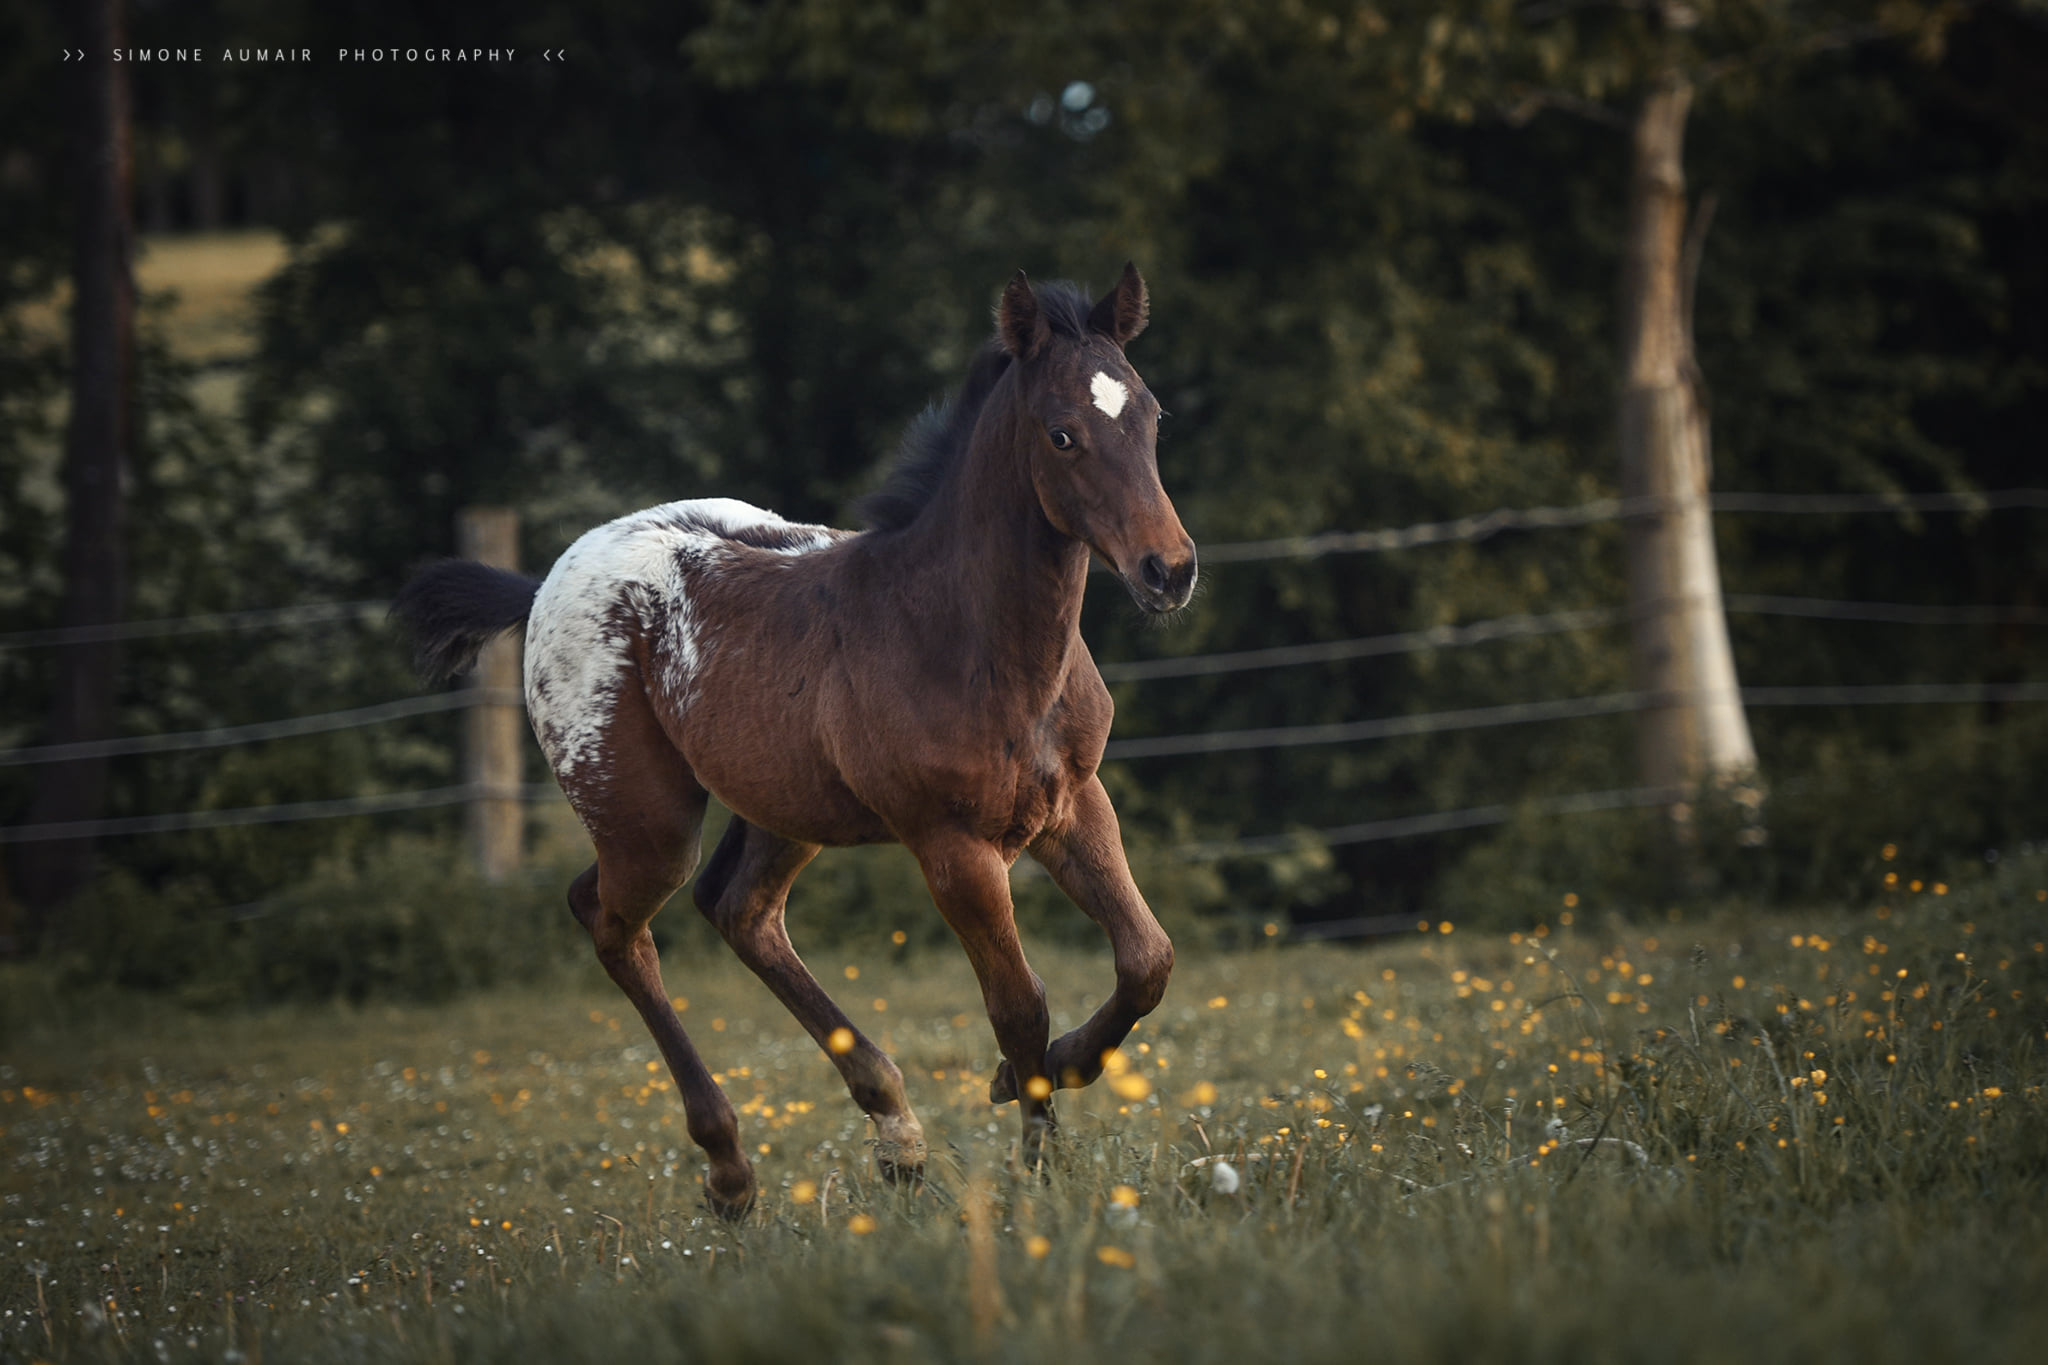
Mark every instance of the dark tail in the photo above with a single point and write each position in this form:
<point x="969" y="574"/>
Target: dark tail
<point x="454" y="607"/>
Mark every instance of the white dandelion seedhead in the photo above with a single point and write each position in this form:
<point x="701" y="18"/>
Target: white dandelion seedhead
<point x="1555" y="1129"/>
<point x="1223" y="1177"/>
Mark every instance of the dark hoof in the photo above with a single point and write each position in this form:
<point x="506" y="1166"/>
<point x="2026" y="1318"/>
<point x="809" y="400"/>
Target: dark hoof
<point x="730" y="1200"/>
<point x="1034" y="1151"/>
<point x="899" y="1148"/>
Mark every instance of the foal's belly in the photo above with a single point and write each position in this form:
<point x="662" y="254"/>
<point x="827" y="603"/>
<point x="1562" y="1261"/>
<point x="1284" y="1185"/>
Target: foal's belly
<point x="776" y="773"/>
<point x="828" y="815"/>
<point x="960" y="788"/>
<point x="764" y="764"/>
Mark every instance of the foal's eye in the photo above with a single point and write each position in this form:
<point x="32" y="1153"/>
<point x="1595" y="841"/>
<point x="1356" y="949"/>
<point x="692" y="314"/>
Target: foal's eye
<point x="1061" y="440"/>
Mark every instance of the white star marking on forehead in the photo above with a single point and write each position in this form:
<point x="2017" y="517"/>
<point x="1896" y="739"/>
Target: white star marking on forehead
<point x="1110" y="394"/>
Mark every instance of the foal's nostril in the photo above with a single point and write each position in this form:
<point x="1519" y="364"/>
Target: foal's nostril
<point x="1154" y="573"/>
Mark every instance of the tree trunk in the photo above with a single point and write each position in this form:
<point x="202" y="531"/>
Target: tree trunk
<point x="1695" y="729"/>
<point x="95" y="467"/>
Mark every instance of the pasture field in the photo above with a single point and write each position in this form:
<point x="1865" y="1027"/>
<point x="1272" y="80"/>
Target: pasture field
<point x="198" y="292"/>
<point x="209" y="278"/>
<point x="1757" y="1137"/>
<point x="215" y="276"/>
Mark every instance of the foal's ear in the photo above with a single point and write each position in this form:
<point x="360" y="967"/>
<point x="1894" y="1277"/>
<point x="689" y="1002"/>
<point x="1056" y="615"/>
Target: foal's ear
<point x="1020" y="326"/>
<point x="1121" y="313"/>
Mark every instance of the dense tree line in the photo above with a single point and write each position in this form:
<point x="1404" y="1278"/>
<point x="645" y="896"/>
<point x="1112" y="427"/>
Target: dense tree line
<point x="732" y="248"/>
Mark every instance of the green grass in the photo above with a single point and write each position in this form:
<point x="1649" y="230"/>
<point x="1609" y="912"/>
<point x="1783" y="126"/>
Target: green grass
<point x="1793" y="1138"/>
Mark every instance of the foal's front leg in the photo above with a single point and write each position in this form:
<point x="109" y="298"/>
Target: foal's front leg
<point x="971" y="884"/>
<point x="1086" y="860"/>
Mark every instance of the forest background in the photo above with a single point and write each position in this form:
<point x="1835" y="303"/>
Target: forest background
<point x="731" y="249"/>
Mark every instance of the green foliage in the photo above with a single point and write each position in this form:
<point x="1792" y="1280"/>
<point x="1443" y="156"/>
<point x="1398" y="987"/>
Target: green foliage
<point x="407" y="920"/>
<point x="1961" y="795"/>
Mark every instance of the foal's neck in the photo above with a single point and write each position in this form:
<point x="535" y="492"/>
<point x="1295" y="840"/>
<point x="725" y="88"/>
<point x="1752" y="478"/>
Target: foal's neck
<point x="1012" y="581"/>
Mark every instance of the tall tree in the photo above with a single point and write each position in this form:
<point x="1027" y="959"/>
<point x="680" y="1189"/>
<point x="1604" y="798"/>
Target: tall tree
<point x="1655" y="55"/>
<point x="95" y="463"/>
<point x="1695" y="728"/>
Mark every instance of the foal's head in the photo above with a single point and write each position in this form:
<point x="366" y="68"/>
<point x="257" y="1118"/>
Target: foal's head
<point x="1091" y="427"/>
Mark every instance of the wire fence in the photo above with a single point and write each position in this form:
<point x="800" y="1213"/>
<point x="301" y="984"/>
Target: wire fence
<point x="1553" y="623"/>
<point x="1444" y="637"/>
<point x="284" y="813"/>
<point x="1479" y="526"/>
<point x="1371" y="646"/>
<point x="1208" y="742"/>
<point x="1435" y="822"/>
<point x="1483" y="525"/>
<point x="1567" y="708"/>
<point x="1465" y="529"/>
<point x="355" y="718"/>
<point x="209" y="623"/>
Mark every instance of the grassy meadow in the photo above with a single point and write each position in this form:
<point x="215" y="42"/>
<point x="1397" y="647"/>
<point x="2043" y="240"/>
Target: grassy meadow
<point x="202" y="282"/>
<point x="1751" y="1137"/>
<point x="197" y="291"/>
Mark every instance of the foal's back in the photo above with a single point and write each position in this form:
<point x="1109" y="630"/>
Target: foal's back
<point x="713" y="614"/>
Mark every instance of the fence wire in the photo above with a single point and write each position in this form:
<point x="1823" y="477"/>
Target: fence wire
<point x="283" y="813"/>
<point x="1221" y="741"/>
<point x="1437" y="822"/>
<point x="1568" y="708"/>
<point x="260" y="618"/>
<point x="1486" y="524"/>
<point x="1472" y="528"/>
<point x="1479" y="526"/>
<point x="1197" y="665"/>
<point x="323" y="723"/>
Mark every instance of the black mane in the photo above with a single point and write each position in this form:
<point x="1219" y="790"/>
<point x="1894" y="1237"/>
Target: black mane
<point x="935" y="440"/>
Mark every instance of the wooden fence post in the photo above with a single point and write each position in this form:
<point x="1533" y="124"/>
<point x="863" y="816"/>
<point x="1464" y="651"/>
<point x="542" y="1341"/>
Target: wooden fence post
<point x="495" y="724"/>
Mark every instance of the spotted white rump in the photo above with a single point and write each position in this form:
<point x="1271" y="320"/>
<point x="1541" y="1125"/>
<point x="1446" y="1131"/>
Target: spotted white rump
<point x="1109" y="393"/>
<point x="634" y="575"/>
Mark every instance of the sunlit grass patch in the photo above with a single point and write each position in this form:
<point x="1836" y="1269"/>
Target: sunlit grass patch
<point x="213" y="275"/>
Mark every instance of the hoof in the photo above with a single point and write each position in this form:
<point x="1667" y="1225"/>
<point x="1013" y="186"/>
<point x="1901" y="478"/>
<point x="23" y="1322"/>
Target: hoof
<point x="729" y="1199"/>
<point x="899" y="1149"/>
<point x="1033" y="1153"/>
<point x="910" y="1173"/>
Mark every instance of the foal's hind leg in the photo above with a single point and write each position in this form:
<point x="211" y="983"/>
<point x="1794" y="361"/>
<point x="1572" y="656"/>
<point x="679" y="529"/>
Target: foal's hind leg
<point x="743" y="893"/>
<point x="1086" y="860"/>
<point x="643" y="812"/>
<point x="618" y="928"/>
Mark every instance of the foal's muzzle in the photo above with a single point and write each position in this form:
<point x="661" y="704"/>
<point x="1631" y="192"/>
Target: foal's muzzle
<point x="1160" y="585"/>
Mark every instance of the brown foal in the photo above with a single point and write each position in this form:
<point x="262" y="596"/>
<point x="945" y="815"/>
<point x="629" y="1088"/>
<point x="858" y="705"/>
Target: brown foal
<point x="922" y="681"/>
